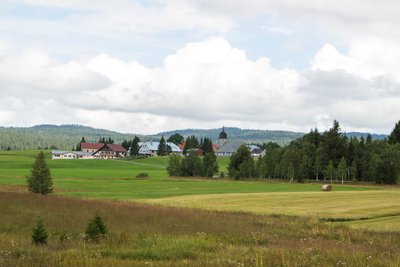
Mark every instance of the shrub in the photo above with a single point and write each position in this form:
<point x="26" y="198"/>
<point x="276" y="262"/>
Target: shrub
<point x="222" y="175"/>
<point x="142" y="175"/>
<point x="95" y="229"/>
<point x="39" y="234"/>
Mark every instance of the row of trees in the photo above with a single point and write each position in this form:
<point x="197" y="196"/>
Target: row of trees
<point x="192" y="143"/>
<point x="329" y="156"/>
<point x="193" y="165"/>
<point x="132" y="146"/>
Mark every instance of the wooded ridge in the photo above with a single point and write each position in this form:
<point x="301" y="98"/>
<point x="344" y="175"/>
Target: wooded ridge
<point x="67" y="136"/>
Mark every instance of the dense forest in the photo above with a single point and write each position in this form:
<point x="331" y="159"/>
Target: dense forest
<point x="332" y="156"/>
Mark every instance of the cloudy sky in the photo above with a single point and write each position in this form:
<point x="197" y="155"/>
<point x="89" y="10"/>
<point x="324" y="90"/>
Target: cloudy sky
<point x="144" y="66"/>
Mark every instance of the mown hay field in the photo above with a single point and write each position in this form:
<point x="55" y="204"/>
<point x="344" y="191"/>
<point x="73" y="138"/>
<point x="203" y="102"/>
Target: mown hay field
<point x="143" y="235"/>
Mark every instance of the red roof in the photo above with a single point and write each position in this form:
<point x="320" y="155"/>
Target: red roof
<point x="182" y="145"/>
<point x="116" y="148"/>
<point x="215" y="147"/>
<point x="92" y="145"/>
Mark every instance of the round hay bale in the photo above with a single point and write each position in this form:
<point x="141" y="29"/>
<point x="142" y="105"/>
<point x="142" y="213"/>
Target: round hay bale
<point x="326" y="187"/>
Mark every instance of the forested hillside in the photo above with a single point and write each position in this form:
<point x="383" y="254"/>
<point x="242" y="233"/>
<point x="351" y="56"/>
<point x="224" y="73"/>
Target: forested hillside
<point x="67" y="136"/>
<point x="52" y="136"/>
<point x="237" y="134"/>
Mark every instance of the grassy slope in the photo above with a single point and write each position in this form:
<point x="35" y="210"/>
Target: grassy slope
<point x="164" y="236"/>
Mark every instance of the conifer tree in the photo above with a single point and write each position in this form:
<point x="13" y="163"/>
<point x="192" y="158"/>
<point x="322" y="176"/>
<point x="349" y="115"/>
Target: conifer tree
<point x="125" y="144"/>
<point x="39" y="234"/>
<point x="96" y="228"/>
<point x="394" y="136"/>
<point x="40" y="181"/>
<point x="161" y="147"/>
<point x="135" y="146"/>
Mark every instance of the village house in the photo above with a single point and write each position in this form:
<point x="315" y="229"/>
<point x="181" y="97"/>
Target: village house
<point x="91" y="146"/>
<point x="59" y="154"/>
<point x="110" y="151"/>
<point x="92" y="151"/>
<point x="150" y="148"/>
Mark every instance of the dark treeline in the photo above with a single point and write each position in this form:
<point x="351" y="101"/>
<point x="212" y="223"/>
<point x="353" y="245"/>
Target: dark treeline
<point x="333" y="156"/>
<point x="193" y="165"/>
<point x="192" y="143"/>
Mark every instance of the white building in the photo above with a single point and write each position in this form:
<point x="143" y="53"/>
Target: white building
<point x="59" y="154"/>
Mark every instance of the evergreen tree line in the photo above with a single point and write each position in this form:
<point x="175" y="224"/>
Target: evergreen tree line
<point x="192" y="143"/>
<point x="132" y="145"/>
<point x="193" y="165"/>
<point x="330" y="155"/>
<point x="333" y="156"/>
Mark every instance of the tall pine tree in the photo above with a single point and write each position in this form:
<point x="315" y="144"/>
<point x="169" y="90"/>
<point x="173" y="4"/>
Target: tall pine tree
<point x="161" y="147"/>
<point x="135" y="147"/>
<point x="40" y="179"/>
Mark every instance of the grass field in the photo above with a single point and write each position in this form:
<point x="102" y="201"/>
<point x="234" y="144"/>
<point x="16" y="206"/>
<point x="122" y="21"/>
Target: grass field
<point x="141" y="235"/>
<point x="114" y="179"/>
<point x="192" y="222"/>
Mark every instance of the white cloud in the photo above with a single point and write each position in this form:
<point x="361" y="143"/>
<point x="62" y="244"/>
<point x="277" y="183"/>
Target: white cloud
<point x="32" y="69"/>
<point x="205" y="81"/>
<point x="204" y="84"/>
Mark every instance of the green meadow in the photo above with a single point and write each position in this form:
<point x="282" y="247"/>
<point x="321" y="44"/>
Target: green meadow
<point x="115" y="179"/>
<point x="178" y="221"/>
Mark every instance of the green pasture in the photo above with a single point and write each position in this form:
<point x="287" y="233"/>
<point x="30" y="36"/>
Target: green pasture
<point x="115" y="179"/>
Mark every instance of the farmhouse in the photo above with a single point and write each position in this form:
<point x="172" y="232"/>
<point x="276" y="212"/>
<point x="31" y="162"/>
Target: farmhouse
<point x="92" y="151"/>
<point x="150" y="148"/>
<point x="58" y="154"/>
<point x="91" y="146"/>
<point x="110" y="151"/>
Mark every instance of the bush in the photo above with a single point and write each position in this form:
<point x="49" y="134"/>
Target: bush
<point x="39" y="234"/>
<point x="222" y="175"/>
<point x="95" y="229"/>
<point x="142" y="175"/>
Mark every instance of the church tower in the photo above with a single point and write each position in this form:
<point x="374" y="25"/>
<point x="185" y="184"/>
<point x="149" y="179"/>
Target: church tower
<point x="223" y="137"/>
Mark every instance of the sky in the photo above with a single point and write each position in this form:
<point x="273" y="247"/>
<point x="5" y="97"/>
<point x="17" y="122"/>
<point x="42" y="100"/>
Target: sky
<point x="146" y="66"/>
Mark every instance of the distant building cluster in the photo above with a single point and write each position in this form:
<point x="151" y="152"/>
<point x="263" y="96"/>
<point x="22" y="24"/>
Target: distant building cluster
<point x="92" y="150"/>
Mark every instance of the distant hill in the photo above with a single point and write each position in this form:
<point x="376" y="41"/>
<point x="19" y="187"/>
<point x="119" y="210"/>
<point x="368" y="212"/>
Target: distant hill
<point x="46" y="136"/>
<point x="359" y="135"/>
<point x="67" y="136"/>
<point x="237" y="134"/>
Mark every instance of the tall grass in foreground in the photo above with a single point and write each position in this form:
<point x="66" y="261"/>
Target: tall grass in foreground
<point x="141" y="235"/>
